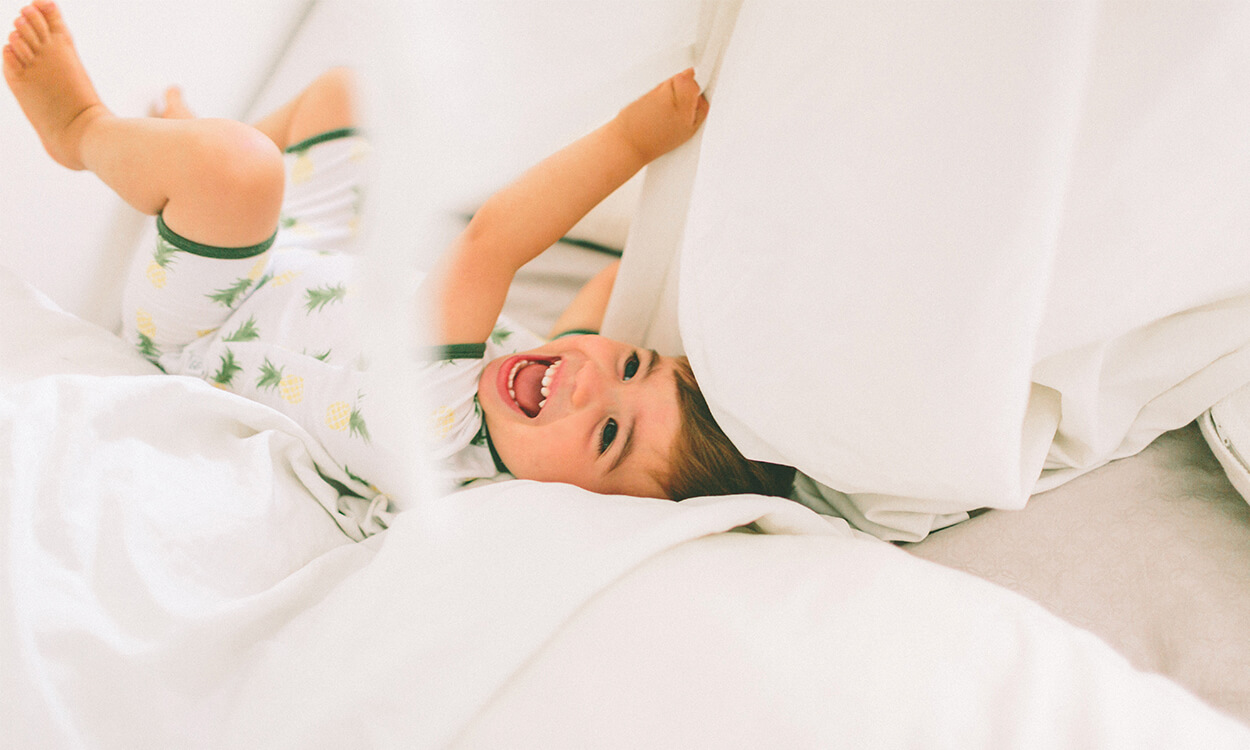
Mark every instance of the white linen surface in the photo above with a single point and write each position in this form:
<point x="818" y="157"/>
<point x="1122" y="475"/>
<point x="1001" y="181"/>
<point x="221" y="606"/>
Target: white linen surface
<point x="1151" y="552"/>
<point x="925" y="243"/>
<point x="168" y="556"/>
<point x="172" y="578"/>
<point x="735" y="641"/>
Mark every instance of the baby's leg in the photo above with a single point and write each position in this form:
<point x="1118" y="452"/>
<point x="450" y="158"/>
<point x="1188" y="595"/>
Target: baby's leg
<point x="215" y="182"/>
<point x="327" y="104"/>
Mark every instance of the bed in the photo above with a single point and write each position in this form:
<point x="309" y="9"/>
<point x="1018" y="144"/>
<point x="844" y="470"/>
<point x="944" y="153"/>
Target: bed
<point x="177" y="573"/>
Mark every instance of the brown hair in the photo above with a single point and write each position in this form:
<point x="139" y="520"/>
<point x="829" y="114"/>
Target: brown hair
<point x="704" y="461"/>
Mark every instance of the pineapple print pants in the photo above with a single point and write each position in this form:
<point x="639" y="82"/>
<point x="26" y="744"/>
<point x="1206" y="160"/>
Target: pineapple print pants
<point x="272" y="322"/>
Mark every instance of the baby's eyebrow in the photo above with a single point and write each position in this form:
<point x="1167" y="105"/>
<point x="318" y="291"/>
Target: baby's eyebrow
<point x="655" y="357"/>
<point x="633" y="426"/>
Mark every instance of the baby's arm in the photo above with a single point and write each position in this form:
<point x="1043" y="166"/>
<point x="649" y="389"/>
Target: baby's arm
<point x="585" y="312"/>
<point x="525" y="218"/>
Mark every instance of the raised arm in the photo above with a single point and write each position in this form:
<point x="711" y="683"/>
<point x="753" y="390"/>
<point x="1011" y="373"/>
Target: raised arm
<point x="586" y="311"/>
<point x="471" y="282"/>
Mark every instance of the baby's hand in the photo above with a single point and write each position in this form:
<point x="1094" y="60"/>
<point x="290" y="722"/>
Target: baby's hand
<point x="664" y="118"/>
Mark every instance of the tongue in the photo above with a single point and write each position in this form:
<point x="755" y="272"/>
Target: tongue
<point x="529" y="381"/>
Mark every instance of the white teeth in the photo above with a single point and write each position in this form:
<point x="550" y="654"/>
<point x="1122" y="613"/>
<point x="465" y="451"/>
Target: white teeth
<point x="548" y="378"/>
<point x="512" y="375"/>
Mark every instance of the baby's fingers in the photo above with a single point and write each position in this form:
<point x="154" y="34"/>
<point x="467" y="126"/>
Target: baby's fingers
<point x="685" y="89"/>
<point x="687" y="98"/>
<point x="700" y="111"/>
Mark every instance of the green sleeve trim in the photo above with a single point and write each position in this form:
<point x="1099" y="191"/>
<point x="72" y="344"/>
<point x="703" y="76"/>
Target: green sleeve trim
<point x="208" y="251"/>
<point x="456" y="351"/>
<point x="329" y="135"/>
<point x="575" y="332"/>
<point x="589" y="245"/>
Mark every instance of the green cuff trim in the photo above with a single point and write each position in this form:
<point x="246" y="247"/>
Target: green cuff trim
<point x="575" y="332"/>
<point x="456" y="351"/>
<point x="329" y="135"/>
<point x="208" y="251"/>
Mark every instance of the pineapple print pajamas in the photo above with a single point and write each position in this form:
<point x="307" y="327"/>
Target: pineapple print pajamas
<point x="460" y="442"/>
<point x="273" y="322"/>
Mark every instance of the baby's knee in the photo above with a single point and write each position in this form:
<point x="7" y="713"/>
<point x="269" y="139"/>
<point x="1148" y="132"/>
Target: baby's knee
<point x="244" y="163"/>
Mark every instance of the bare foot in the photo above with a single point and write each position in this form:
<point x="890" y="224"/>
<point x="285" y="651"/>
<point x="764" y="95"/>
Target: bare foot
<point x="173" y="107"/>
<point x="44" y="72"/>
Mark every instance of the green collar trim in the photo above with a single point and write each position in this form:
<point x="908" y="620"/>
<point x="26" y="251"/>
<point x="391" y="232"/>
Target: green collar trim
<point x="490" y="444"/>
<point x="575" y="332"/>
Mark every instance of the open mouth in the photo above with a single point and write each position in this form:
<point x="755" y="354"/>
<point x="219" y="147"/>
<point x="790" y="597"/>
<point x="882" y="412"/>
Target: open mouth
<point x="530" y="384"/>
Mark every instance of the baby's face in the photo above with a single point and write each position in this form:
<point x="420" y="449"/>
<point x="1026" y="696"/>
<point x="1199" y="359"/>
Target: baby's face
<point x="584" y="410"/>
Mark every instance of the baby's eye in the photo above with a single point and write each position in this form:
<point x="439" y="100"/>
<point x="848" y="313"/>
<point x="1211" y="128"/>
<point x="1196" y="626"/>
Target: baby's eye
<point x="631" y="366"/>
<point x="607" y="436"/>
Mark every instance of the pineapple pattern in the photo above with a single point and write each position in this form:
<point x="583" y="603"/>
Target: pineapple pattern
<point x="258" y="268"/>
<point x="342" y="416"/>
<point x="500" y="335"/>
<point x="229" y="296"/>
<point x="144" y="323"/>
<point x="291" y="388"/>
<point x="293" y="224"/>
<point x="443" y="420"/>
<point x="338" y="415"/>
<point x="284" y="278"/>
<point x="270" y="376"/>
<point x="224" y="377"/>
<point x="213" y="324"/>
<point x="303" y="169"/>
<point x="317" y="298"/>
<point x="158" y="270"/>
<point x="245" y="332"/>
<point x="145" y="332"/>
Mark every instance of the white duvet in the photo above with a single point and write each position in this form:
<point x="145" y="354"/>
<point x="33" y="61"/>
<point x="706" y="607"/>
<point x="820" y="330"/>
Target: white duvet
<point x="941" y="257"/>
<point x="177" y="574"/>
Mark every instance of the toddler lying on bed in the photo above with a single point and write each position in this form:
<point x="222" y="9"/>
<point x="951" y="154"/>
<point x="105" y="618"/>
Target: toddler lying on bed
<point x="247" y="288"/>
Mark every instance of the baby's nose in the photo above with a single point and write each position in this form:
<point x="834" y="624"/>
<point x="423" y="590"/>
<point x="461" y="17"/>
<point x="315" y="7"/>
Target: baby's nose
<point x="589" y="386"/>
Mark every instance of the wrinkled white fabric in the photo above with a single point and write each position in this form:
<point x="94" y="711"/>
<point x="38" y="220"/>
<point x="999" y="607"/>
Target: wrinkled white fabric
<point x="933" y="251"/>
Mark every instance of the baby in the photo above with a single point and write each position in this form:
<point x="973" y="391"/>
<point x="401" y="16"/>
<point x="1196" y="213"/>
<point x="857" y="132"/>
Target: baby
<point x="248" y="286"/>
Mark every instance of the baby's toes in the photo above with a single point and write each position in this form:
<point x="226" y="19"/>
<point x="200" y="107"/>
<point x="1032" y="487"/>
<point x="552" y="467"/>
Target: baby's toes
<point x="37" y="23"/>
<point x="21" y="49"/>
<point x="11" y="64"/>
<point x="23" y="29"/>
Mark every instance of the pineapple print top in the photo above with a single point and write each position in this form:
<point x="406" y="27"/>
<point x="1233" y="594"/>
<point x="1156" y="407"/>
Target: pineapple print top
<point x="274" y="323"/>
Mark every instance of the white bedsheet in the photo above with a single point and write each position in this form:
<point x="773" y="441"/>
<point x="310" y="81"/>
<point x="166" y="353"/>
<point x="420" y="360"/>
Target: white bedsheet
<point x="175" y="575"/>
<point x="931" y="252"/>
